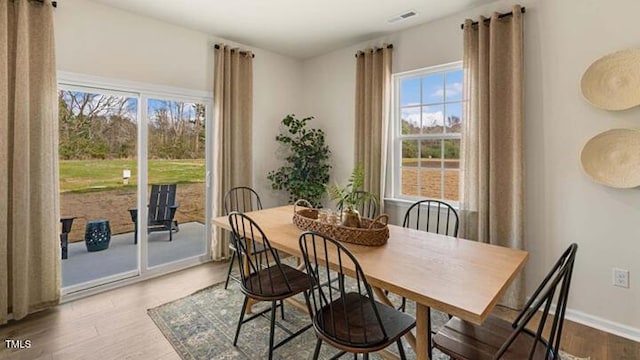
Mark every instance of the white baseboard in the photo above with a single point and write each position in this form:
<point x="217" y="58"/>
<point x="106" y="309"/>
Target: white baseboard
<point x="599" y="323"/>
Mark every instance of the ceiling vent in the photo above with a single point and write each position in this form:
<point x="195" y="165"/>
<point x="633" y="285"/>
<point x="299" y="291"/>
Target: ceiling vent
<point x="405" y="15"/>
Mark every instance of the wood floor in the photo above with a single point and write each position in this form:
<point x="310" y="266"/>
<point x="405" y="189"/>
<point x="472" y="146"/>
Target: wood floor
<point x="115" y="325"/>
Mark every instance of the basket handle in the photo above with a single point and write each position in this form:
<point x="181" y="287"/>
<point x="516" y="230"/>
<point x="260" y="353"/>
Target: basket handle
<point x="378" y="220"/>
<point x="301" y="201"/>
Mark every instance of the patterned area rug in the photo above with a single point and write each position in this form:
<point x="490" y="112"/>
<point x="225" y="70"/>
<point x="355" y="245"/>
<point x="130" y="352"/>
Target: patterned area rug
<point x="201" y="326"/>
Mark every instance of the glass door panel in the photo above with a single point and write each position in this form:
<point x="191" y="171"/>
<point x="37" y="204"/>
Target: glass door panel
<point x="176" y="178"/>
<point x="98" y="185"/>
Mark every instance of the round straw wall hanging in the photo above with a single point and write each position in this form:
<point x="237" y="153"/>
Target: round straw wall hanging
<point x="612" y="158"/>
<point x="613" y="81"/>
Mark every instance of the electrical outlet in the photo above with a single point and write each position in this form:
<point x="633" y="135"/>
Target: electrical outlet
<point x="621" y="278"/>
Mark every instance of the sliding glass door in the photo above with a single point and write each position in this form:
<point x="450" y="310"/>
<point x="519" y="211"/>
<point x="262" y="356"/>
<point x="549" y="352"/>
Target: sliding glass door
<point x="134" y="187"/>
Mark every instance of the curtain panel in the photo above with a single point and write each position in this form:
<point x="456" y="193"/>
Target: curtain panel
<point x="29" y="244"/>
<point x="373" y="103"/>
<point x="492" y="181"/>
<point x="233" y="114"/>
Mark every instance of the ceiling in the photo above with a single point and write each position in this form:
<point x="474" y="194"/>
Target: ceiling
<point x="297" y="28"/>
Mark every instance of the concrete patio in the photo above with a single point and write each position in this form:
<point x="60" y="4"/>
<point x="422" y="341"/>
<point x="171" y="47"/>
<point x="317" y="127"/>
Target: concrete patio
<point x="121" y="256"/>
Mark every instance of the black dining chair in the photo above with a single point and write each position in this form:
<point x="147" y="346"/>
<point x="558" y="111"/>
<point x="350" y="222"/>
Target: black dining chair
<point x="263" y="277"/>
<point x="368" y="207"/>
<point x="433" y="216"/>
<point x="243" y="199"/>
<point x="500" y="339"/>
<point x="346" y="315"/>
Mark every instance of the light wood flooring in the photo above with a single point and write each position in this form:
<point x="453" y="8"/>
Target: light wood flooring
<point x="115" y="325"/>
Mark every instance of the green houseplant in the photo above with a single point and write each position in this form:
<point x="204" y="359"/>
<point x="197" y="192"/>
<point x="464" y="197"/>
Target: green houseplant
<point x="350" y="197"/>
<point x="306" y="171"/>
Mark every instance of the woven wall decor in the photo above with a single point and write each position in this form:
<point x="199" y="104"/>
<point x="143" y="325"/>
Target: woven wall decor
<point x="613" y="81"/>
<point x="612" y="158"/>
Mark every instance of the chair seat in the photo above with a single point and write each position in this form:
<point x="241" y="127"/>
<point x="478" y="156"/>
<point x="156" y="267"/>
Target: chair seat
<point x="463" y="340"/>
<point x="269" y="284"/>
<point x="349" y="330"/>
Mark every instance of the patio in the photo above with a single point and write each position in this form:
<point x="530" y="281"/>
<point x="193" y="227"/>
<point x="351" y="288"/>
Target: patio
<point x="121" y="256"/>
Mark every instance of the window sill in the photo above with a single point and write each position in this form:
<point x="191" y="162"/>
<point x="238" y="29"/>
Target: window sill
<point x="407" y="202"/>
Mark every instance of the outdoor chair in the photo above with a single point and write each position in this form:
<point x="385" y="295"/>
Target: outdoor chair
<point x="347" y="316"/>
<point x="162" y="210"/>
<point x="67" y="222"/>
<point x="500" y="339"/>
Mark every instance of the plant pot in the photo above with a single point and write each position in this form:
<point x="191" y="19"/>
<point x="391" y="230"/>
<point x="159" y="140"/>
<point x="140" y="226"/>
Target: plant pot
<point x="351" y="218"/>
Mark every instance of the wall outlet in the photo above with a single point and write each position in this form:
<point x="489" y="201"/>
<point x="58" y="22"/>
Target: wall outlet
<point x="621" y="278"/>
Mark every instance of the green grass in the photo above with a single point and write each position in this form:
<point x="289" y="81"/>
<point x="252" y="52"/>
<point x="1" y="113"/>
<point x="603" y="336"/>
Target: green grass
<point x="98" y="175"/>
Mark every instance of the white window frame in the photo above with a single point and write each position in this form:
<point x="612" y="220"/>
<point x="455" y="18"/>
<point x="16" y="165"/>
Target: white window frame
<point x="143" y="92"/>
<point x="396" y="129"/>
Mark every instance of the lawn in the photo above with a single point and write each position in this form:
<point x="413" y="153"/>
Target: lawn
<point x="99" y="175"/>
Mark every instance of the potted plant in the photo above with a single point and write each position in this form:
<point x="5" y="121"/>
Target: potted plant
<point x="306" y="172"/>
<point x="350" y="197"/>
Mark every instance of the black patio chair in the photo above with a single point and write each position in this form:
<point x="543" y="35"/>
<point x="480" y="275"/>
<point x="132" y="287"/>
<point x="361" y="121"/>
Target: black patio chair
<point x="500" y="339"/>
<point x="347" y="316"/>
<point x="263" y="277"/>
<point x="162" y="210"/>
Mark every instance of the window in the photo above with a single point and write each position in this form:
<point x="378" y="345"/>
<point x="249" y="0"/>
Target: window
<point x="427" y="124"/>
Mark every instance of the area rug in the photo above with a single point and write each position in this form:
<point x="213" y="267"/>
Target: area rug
<point x="201" y="326"/>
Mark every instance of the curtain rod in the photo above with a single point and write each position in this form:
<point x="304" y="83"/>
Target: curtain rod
<point x="241" y="52"/>
<point x="510" y="13"/>
<point x="53" y="3"/>
<point x="390" y="46"/>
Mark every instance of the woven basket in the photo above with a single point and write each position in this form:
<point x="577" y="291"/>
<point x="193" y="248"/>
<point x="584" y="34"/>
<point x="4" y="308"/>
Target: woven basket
<point x="372" y="233"/>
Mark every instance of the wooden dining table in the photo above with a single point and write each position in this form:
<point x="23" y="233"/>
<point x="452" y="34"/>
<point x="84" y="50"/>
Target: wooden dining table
<point x="461" y="277"/>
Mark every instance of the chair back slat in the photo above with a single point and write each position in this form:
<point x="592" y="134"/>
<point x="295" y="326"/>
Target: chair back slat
<point x="243" y="199"/>
<point x="243" y="228"/>
<point x="558" y="278"/>
<point x="342" y="311"/>
<point x="445" y="219"/>
<point x="367" y="207"/>
<point x="160" y="201"/>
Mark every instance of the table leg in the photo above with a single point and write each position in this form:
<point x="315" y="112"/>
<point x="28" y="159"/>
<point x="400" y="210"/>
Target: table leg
<point x="422" y="331"/>
<point x="411" y="339"/>
<point x="301" y="266"/>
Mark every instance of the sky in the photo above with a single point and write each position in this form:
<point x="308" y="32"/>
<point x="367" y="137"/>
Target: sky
<point x="432" y="91"/>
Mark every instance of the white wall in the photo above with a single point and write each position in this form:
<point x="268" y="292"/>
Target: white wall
<point x="562" y="38"/>
<point x="103" y="41"/>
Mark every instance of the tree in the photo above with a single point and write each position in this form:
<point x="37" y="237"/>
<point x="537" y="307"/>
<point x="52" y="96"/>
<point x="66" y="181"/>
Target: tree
<point x="83" y="120"/>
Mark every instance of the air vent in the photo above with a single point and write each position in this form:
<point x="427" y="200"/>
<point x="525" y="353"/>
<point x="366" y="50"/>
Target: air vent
<point x="405" y="15"/>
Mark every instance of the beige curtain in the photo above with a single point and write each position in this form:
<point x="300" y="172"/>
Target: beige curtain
<point x="373" y="101"/>
<point x="29" y="243"/>
<point x="492" y="194"/>
<point x="233" y="114"/>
